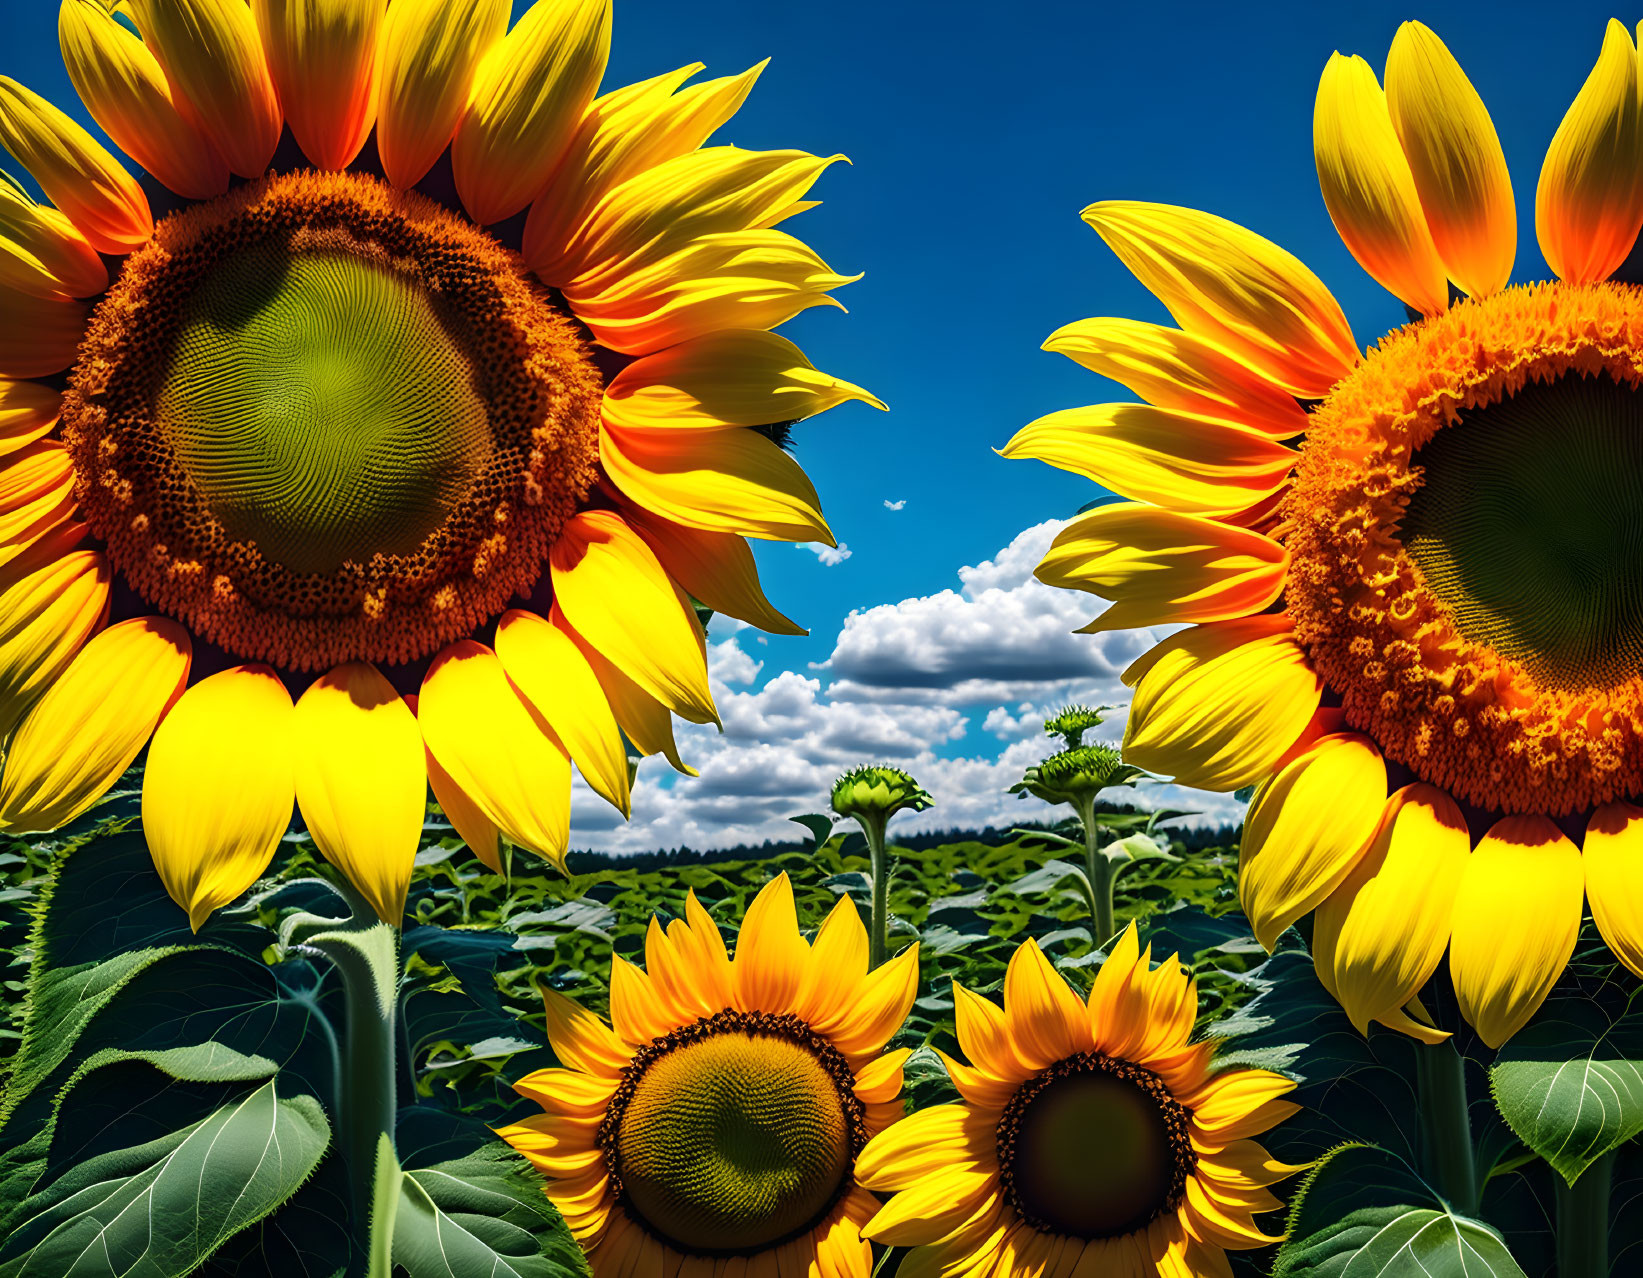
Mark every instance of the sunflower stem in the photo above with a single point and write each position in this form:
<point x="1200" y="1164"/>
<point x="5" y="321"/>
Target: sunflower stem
<point x="365" y="953"/>
<point x="1583" y="1221"/>
<point x="1103" y="874"/>
<point x="1446" y="1125"/>
<point x="878" y="921"/>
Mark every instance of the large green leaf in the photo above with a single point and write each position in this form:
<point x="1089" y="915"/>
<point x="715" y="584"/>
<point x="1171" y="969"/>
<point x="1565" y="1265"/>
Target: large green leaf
<point x="484" y="1213"/>
<point x="1570" y="1084"/>
<point x="159" y="1209"/>
<point x="1364" y="1213"/>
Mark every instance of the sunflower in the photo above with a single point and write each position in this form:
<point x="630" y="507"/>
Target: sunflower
<point x="1093" y="1139"/>
<point x="1410" y="576"/>
<point x="713" y="1127"/>
<point x="415" y="363"/>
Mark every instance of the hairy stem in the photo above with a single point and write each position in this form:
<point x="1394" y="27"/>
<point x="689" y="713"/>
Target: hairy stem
<point x="1102" y="873"/>
<point x="365" y="953"/>
<point x="1583" y="1221"/>
<point x="1446" y="1126"/>
<point x="878" y="922"/>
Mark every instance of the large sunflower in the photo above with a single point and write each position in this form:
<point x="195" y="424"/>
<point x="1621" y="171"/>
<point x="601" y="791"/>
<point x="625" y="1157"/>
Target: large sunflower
<point x="713" y="1127"/>
<point x="1413" y="574"/>
<point x="323" y="435"/>
<point x="1093" y="1139"/>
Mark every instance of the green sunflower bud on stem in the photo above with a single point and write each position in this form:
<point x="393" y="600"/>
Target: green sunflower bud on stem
<point x="871" y="796"/>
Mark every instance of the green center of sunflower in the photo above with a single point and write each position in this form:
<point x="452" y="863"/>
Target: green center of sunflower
<point x="735" y="1134"/>
<point x="1529" y="528"/>
<point x="320" y="420"/>
<point x="1094" y="1147"/>
<point x="321" y="408"/>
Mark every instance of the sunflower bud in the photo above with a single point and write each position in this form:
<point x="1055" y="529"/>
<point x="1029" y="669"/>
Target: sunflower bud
<point x="1077" y="775"/>
<point x="1070" y="723"/>
<point x="878" y="792"/>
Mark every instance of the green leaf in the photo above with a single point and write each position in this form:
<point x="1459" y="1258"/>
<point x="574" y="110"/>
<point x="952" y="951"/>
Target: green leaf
<point x="1570" y="1084"/>
<point x="159" y="1210"/>
<point x="482" y="1214"/>
<point x="1364" y="1213"/>
<point x="819" y="824"/>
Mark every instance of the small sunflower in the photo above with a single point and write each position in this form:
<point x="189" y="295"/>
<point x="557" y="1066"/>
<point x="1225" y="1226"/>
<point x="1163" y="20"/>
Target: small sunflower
<point x="1093" y="1139"/>
<point x="713" y="1127"/>
<point x="1410" y="576"/>
<point x="414" y="362"/>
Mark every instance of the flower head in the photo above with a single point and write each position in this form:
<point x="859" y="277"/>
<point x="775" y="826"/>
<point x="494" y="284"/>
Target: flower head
<point x="1414" y="620"/>
<point x="339" y="500"/>
<point x="1092" y="1137"/>
<point x="878" y="792"/>
<point x="714" y="1125"/>
<point x="1070" y="723"/>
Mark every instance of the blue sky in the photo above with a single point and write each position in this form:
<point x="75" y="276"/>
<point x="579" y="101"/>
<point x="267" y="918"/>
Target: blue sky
<point x="977" y="133"/>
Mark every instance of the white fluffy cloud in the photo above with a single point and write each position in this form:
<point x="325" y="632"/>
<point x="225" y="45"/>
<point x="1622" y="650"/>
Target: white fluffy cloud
<point x="829" y="555"/>
<point x="952" y="686"/>
<point x="895" y="505"/>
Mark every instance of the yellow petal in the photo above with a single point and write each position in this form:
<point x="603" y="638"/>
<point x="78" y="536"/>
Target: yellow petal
<point x="1389" y="920"/>
<point x="1306" y="829"/>
<point x="39" y="336"/>
<point x="756" y="279"/>
<point x="213" y="58"/>
<point x="644" y="719"/>
<point x="714" y="567"/>
<point x="580" y="1039"/>
<point x="124" y="87"/>
<point x="498" y="750"/>
<point x="771" y="957"/>
<point x="624" y="133"/>
<point x="1517" y="915"/>
<point x="81" y="178"/>
<point x="1235" y="288"/>
<point x="1368" y="188"/>
<point x="1612" y="857"/>
<point x="1216" y="706"/>
<point x="528" y="96"/>
<point x="1455" y="157"/>
<point x="472" y="826"/>
<point x="663" y="209"/>
<point x="747" y="378"/>
<point x="324" y="57"/>
<point x="1196" y="465"/>
<point x="430" y="52"/>
<point x="217" y="789"/>
<point x="28" y="410"/>
<point x="1047" y="1021"/>
<point x="731" y="481"/>
<point x="36" y="495"/>
<point x="1172" y="368"/>
<point x="40" y="251"/>
<point x="1589" y="205"/>
<point x="88" y="727"/>
<point x="1160" y="567"/>
<point x="50" y="604"/>
<point x="616" y="595"/>
<point x="361" y="781"/>
<point x="550" y="672"/>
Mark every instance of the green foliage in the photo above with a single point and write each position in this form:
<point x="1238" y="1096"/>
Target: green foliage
<point x="1365" y="1211"/>
<point x="1570" y="1084"/>
<point x="170" y="1105"/>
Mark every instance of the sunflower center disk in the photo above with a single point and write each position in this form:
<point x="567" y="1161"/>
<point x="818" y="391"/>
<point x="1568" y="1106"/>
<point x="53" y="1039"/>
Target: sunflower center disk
<point x="730" y="1141"/>
<point x="320" y="420"/>
<point x="1465" y="532"/>
<point x="1529" y="526"/>
<point x="1094" y="1148"/>
<point x="321" y="409"/>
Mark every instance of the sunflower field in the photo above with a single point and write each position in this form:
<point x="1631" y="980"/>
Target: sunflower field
<point x="158" y="1076"/>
